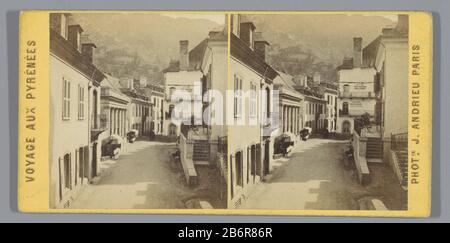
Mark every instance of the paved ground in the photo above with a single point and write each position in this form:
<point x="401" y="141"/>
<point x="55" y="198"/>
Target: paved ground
<point x="314" y="177"/>
<point x="143" y="177"/>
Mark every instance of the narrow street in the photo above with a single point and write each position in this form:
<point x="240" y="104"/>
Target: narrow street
<point x="142" y="177"/>
<point x="314" y="178"/>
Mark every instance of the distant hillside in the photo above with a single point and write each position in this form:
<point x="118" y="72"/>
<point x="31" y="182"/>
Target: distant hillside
<point x="315" y="43"/>
<point x="140" y="44"/>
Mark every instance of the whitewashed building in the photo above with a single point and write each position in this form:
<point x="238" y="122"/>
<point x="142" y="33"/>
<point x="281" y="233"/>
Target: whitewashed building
<point x="250" y="155"/>
<point x="356" y="88"/>
<point x="74" y="111"/>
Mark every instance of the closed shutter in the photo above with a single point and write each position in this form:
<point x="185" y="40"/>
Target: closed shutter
<point x="61" y="177"/>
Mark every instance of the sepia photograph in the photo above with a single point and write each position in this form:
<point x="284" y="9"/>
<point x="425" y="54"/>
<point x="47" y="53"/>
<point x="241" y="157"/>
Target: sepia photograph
<point x="207" y="114"/>
<point x="124" y="89"/>
<point x="332" y="106"/>
<point x="240" y="111"/>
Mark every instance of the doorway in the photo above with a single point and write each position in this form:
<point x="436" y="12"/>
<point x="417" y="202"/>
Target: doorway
<point x="266" y="158"/>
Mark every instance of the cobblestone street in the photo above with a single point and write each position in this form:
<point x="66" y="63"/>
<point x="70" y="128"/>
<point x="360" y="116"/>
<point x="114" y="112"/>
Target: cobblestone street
<point x="314" y="177"/>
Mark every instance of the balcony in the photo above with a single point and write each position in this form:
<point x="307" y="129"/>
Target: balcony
<point x="355" y="113"/>
<point x="343" y="112"/>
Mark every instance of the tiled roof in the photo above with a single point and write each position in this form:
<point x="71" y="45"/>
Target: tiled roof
<point x="370" y="52"/>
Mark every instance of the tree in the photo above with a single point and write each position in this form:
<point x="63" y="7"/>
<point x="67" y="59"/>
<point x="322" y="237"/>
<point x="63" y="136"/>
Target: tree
<point x="362" y="122"/>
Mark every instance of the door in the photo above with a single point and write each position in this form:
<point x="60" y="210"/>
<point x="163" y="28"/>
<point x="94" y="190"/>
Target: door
<point x="267" y="158"/>
<point x="94" y="159"/>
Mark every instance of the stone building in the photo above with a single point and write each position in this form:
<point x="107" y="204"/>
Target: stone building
<point x="114" y="108"/>
<point x="290" y="111"/>
<point x="250" y="155"/>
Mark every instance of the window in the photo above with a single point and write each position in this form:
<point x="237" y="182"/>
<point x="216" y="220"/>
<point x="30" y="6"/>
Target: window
<point x="80" y="102"/>
<point x="253" y="94"/>
<point x="268" y="103"/>
<point x="346" y="89"/>
<point x="172" y="90"/>
<point x="237" y="97"/>
<point x="66" y="99"/>
<point x="345" y="108"/>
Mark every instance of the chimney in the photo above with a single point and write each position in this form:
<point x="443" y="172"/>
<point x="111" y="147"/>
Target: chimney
<point x="87" y="48"/>
<point x="213" y="34"/>
<point x="226" y="22"/>
<point x="74" y="36"/>
<point x="357" y="52"/>
<point x="301" y="80"/>
<point x="136" y="83"/>
<point x="246" y="33"/>
<point x="184" y="55"/>
<point x="260" y="45"/>
<point x="143" y="81"/>
<point x="403" y="23"/>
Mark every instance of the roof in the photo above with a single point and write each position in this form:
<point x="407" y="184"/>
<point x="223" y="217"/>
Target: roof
<point x="240" y="50"/>
<point x="370" y="52"/>
<point x="67" y="52"/>
<point x="112" y="82"/>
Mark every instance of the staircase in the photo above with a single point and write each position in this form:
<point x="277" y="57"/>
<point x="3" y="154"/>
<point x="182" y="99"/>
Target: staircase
<point x="201" y="152"/>
<point x="402" y="156"/>
<point x="374" y="150"/>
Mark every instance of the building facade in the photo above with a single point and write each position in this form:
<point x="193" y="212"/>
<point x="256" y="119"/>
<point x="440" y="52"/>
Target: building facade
<point x="75" y="111"/>
<point x="356" y="79"/>
<point x="290" y="111"/>
<point x="157" y="97"/>
<point x="114" y="108"/>
<point x="331" y="98"/>
<point x="390" y="60"/>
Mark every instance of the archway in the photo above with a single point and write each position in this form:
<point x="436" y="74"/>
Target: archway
<point x="346" y="127"/>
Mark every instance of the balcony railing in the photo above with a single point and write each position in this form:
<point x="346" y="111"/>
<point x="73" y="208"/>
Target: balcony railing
<point x="343" y="112"/>
<point x="355" y="112"/>
<point x="358" y="94"/>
